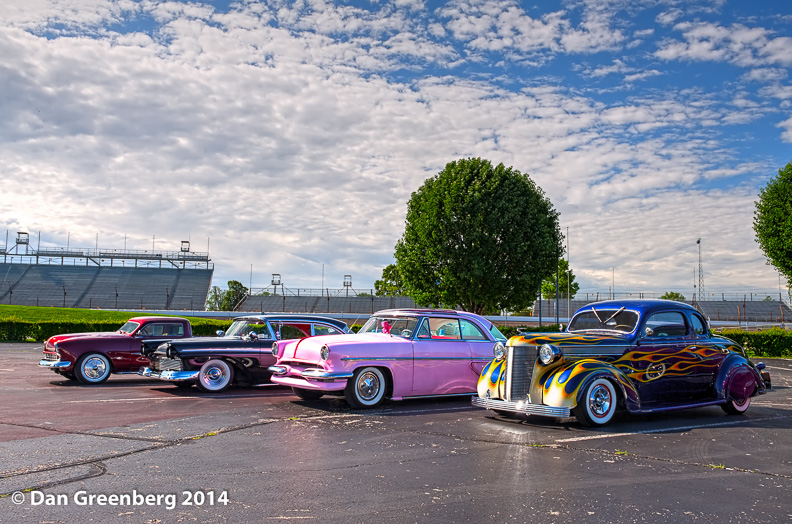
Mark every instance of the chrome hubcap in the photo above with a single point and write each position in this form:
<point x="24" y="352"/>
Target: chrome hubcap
<point x="368" y="386"/>
<point x="94" y="368"/>
<point x="600" y="401"/>
<point x="214" y="376"/>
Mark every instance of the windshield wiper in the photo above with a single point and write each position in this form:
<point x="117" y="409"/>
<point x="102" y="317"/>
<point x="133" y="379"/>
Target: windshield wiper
<point x="613" y="315"/>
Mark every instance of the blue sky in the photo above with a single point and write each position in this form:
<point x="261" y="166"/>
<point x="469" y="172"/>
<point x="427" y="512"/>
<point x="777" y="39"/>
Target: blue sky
<point x="289" y="135"/>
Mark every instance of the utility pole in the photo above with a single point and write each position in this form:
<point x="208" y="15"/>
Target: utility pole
<point x="700" y="273"/>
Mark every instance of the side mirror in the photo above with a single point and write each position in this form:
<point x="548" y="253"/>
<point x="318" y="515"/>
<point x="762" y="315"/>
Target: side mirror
<point x="648" y="332"/>
<point x="252" y="335"/>
<point x="406" y="333"/>
<point x="760" y="366"/>
<point x="220" y="332"/>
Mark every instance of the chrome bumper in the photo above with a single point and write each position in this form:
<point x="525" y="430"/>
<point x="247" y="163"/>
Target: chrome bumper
<point x="312" y="374"/>
<point x="54" y="364"/>
<point x="173" y="376"/>
<point x="521" y="406"/>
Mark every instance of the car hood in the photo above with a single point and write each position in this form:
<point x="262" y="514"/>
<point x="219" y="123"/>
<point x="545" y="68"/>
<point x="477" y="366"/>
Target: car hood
<point x="95" y="334"/>
<point x="570" y="339"/>
<point x="307" y="349"/>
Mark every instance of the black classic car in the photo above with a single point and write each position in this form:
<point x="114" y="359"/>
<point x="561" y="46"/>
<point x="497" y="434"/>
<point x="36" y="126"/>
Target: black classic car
<point x="641" y="355"/>
<point x="240" y="355"/>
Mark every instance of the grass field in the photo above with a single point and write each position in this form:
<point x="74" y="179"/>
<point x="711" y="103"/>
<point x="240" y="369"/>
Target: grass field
<point x="19" y="323"/>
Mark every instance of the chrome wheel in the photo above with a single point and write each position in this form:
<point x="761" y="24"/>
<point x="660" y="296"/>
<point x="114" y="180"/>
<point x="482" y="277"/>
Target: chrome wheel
<point x="597" y="404"/>
<point x="600" y="401"/>
<point x="93" y="368"/>
<point x="215" y="376"/>
<point x="366" y="389"/>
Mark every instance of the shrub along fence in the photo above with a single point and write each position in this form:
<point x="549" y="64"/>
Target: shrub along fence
<point x="39" y="331"/>
<point x="770" y="343"/>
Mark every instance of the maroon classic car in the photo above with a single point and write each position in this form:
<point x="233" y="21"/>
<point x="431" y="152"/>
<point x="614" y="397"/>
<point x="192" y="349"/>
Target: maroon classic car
<point x="92" y="357"/>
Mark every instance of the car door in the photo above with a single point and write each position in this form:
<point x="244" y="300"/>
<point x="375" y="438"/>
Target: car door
<point x="711" y="358"/>
<point x="480" y="348"/>
<point x="664" y="362"/>
<point x="129" y="358"/>
<point x="441" y="358"/>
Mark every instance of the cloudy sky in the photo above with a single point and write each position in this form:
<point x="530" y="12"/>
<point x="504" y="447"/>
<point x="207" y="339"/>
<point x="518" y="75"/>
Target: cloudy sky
<point x="289" y="135"/>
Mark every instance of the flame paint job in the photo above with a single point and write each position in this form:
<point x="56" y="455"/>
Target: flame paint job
<point x="651" y="374"/>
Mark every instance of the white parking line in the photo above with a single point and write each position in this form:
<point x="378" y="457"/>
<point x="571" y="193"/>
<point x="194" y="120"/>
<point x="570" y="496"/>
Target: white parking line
<point x="213" y="397"/>
<point x="663" y="430"/>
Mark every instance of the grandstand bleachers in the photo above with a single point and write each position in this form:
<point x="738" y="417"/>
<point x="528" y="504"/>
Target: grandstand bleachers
<point x="714" y="310"/>
<point x="104" y="286"/>
<point x="316" y="304"/>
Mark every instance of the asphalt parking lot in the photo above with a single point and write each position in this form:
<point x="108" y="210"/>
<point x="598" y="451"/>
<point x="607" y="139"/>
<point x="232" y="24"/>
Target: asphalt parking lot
<point x="142" y="451"/>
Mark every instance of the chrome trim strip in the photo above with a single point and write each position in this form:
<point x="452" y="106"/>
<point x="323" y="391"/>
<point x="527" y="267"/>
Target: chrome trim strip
<point x="521" y="406"/>
<point x="54" y="364"/>
<point x="359" y="359"/>
<point x="469" y="393"/>
<point x="173" y="376"/>
<point x="319" y="374"/>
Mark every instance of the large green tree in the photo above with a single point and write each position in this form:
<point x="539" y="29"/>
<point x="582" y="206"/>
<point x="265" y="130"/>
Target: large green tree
<point x="214" y="300"/>
<point x="773" y="221"/>
<point x="391" y="283"/>
<point x="235" y="294"/>
<point x="673" y="295"/>
<point x="478" y="237"/>
<point x="566" y="281"/>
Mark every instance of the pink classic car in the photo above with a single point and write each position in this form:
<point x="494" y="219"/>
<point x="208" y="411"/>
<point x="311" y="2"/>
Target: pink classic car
<point x="397" y="354"/>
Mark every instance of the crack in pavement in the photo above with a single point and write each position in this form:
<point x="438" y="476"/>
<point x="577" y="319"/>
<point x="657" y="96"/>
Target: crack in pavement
<point x="158" y="444"/>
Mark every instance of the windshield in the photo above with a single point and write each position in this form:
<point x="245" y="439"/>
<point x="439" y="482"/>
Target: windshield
<point x="128" y="328"/>
<point x="400" y="326"/>
<point x="604" y="319"/>
<point x="497" y="334"/>
<point x="243" y="327"/>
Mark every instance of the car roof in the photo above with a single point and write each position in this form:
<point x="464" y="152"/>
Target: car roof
<point x="432" y="312"/>
<point x="293" y="318"/>
<point x="156" y="319"/>
<point x="642" y="306"/>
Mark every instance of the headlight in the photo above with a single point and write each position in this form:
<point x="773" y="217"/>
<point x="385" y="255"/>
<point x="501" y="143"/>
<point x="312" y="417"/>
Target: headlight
<point x="499" y="351"/>
<point x="324" y="352"/>
<point x="274" y="349"/>
<point x="548" y="354"/>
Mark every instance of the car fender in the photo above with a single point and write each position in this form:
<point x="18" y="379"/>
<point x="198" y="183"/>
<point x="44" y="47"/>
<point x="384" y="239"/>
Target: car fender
<point x="738" y="379"/>
<point x="492" y="380"/>
<point x="562" y="386"/>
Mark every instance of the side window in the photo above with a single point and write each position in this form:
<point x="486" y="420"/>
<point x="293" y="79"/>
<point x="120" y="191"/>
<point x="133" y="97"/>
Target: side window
<point x="260" y="328"/>
<point x="145" y="331"/>
<point x="699" y="326"/>
<point x="470" y="331"/>
<point x="321" y="329"/>
<point x="666" y="324"/>
<point x="423" y="331"/>
<point x="445" y="328"/>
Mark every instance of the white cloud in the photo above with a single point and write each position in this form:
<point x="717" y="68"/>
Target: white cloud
<point x="786" y="125"/>
<point x="737" y="44"/>
<point x="278" y="131"/>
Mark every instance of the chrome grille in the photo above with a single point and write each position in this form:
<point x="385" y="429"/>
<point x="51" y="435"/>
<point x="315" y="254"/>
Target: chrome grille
<point x="521" y="365"/>
<point x="167" y="364"/>
<point x="51" y="356"/>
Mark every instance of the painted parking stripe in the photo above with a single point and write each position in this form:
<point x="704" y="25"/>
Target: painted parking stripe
<point x="663" y="430"/>
<point x="212" y="397"/>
